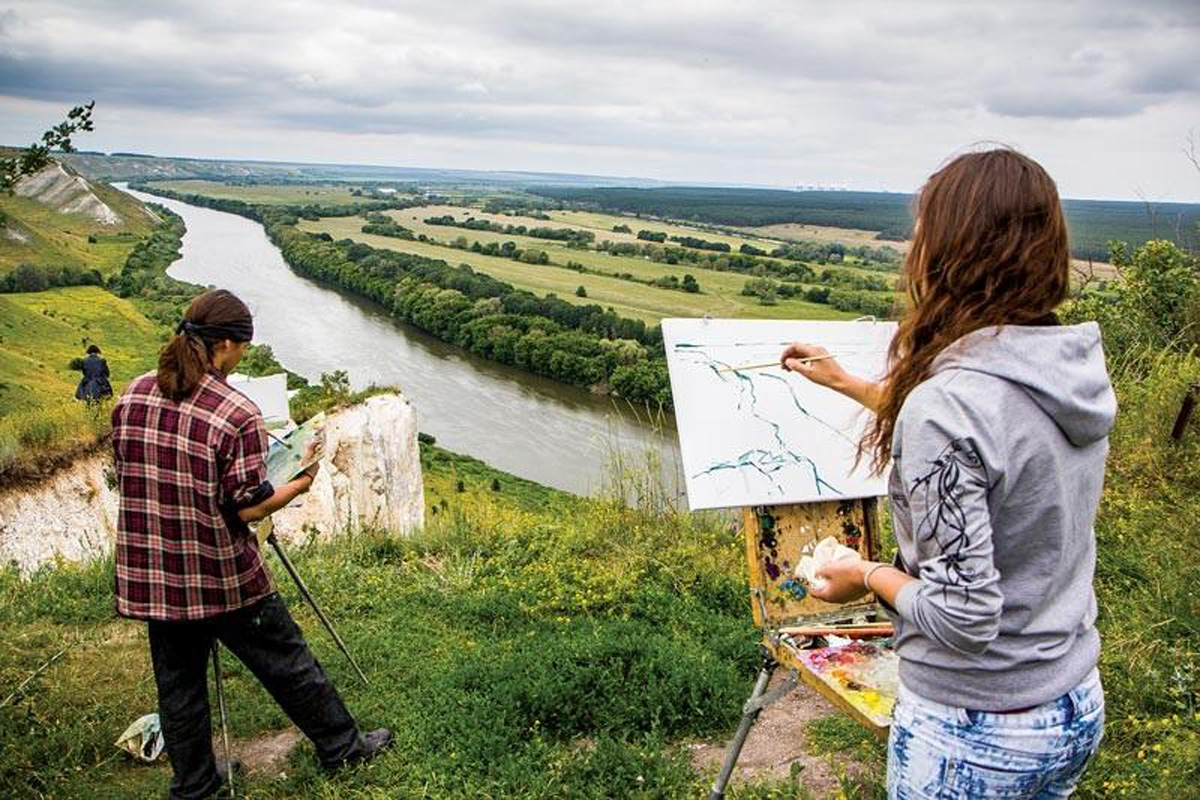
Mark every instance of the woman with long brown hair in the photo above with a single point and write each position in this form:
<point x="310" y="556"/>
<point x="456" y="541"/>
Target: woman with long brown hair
<point x="994" y="420"/>
<point x="191" y="473"/>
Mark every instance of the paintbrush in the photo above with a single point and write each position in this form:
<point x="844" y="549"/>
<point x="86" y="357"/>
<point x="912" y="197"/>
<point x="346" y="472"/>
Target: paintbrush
<point x="281" y="441"/>
<point x="748" y="367"/>
<point x="849" y="631"/>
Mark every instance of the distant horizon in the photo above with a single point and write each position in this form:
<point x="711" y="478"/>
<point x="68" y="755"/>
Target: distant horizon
<point x="608" y="178"/>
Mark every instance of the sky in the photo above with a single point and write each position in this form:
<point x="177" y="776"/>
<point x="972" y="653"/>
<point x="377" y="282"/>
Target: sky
<point x="860" y="95"/>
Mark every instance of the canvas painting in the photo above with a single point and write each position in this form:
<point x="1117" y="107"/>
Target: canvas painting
<point x="751" y="435"/>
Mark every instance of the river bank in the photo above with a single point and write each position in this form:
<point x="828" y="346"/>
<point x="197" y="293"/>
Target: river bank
<point x="533" y="427"/>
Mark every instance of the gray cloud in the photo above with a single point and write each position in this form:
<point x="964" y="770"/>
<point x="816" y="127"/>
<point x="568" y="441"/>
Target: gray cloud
<point x="771" y="92"/>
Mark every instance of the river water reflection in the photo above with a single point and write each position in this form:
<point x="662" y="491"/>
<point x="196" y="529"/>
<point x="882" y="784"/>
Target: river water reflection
<point x="530" y="426"/>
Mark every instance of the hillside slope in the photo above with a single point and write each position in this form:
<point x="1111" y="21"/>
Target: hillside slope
<point x="40" y="332"/>
<point x="58" y="217"/>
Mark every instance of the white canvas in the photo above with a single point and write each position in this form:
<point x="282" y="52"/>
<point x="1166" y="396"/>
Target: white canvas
<point x="269" y="393"/>
<point x="766" y="436"/>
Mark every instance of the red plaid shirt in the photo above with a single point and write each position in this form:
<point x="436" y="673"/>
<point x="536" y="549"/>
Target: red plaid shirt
<point x="183" y="471"/>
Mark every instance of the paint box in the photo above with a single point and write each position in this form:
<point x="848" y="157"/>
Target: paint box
<point x="860" y="677"/>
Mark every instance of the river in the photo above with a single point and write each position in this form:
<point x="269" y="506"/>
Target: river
<point x="533" y="427"/>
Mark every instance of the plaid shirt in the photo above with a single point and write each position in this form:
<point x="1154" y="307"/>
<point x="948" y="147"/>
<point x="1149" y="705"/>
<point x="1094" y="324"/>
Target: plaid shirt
<point x="183" y="471"/>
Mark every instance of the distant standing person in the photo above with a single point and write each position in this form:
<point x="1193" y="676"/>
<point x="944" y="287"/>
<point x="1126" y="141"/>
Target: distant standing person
<point x="191" y="473"/>
<point x="994" y="419"/>
<point x="94" y="385"/>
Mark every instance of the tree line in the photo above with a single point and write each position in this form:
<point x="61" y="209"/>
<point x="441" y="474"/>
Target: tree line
<point x="586" y="345"/>
<point x="383" y="225"/>
<point x="569" y="235"/>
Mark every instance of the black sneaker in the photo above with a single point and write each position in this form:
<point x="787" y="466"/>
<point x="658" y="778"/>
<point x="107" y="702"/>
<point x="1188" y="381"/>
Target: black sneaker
<point x="373" y="743"/>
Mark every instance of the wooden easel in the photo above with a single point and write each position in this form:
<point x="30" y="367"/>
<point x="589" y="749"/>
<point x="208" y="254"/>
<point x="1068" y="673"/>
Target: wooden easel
<point x="776" y="536"/>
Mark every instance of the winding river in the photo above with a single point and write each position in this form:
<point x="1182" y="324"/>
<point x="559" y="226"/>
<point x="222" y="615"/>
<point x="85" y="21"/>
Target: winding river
<point x="533" y="427"/>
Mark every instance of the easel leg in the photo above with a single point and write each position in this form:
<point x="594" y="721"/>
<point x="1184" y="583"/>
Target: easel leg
<point x="216" y="659"/>
<point x="751" y="713"/>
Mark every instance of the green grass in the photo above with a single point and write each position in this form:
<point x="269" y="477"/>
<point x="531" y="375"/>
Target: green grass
<point x="529" y="643"/>
<point x="40" y="332"/>
<point x="267" y="193"/>
<point x="1146" y="578"/>
<point x="56" y="239"/>
<point x="601" y="225"/>
<point x="722" y="290"/>
<point x="536" y="647"/>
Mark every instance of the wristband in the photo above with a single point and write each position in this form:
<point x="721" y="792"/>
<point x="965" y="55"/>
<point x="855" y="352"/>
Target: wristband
<point x="867" y="576"/>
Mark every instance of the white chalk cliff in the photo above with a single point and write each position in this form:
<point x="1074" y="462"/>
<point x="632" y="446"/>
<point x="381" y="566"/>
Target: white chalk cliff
<point x="370" y="476"/>
<point x="67" y="193"/>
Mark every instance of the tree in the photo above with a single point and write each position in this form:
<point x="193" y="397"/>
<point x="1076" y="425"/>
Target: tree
<point x="29" y="278"/>
<point x="37" y="156"/>
<point x="1156" y="302"/>
<point x="690" y="284"/>
<point x="581" y="292"/>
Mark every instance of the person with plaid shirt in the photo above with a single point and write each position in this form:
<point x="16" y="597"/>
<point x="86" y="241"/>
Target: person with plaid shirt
<point x="191" y="472"/>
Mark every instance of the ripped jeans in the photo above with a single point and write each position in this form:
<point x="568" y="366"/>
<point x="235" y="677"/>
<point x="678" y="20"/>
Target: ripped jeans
<point x="938" y="752"/>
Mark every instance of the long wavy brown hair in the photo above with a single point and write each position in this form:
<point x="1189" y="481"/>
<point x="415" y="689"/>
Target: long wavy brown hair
<point x="989" y="248"/>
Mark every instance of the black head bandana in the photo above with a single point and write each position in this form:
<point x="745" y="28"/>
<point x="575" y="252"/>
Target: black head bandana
<point x="242" y="331"/>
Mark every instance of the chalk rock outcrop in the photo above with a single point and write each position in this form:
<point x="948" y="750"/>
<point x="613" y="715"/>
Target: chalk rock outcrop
<point x="370" y="476"/>
<point x="71" y="515"/>
<point x="66" y="193"/>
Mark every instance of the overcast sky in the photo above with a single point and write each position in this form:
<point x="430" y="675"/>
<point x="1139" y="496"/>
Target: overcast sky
<point x="866" y="95"/>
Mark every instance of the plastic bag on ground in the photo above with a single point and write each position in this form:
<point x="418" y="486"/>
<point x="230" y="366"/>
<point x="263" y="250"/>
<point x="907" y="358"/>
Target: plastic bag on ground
<point x="143" y="739"/>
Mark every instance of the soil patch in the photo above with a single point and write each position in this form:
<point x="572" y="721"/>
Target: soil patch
<point x="262" y="756"/>
<point x="777" y="742"/>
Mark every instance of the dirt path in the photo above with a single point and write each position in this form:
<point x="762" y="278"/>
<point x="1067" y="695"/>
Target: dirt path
<point x="262" y="756"/>
<point x="777" y="741"/>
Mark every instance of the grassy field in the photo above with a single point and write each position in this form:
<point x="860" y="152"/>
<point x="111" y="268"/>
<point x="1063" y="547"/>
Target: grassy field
<point x="532" y="644"/>
<point x="40" y="332"/>
<point x="39" y="235"/>
<point x="721" y="290"/>
<point x="503" y="643"/>
<point x="600" y="224"/>
<point x="268" y="193"/>
<point x="799" y="232"/>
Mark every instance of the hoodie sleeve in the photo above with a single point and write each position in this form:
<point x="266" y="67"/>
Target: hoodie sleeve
<point x="947" y="474"/>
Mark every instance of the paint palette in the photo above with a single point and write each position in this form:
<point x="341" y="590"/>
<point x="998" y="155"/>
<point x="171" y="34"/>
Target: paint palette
<point x="860" y="677"/>
<point x="865" y="674"/>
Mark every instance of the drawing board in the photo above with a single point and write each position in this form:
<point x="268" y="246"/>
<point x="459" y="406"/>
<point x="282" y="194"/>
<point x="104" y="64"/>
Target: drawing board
<point x="285" y="459"/>
<point x="765" y="436"/>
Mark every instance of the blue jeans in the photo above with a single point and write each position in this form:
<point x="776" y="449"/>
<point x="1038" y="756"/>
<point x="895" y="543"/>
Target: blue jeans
<point x="937" y="752"/>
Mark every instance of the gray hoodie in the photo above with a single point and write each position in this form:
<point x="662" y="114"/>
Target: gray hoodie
<point x="998" y="466"/>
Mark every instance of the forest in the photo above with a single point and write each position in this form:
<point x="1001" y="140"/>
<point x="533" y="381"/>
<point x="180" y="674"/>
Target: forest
<point x="1092" y="223"/>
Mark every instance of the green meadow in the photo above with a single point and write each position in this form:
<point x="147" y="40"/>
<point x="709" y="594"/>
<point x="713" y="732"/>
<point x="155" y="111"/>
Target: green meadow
<point x="721" y="291"/>
<point x="40" y="332"/>
<point x="37" y="234"/>
<point x="269" y="193"/>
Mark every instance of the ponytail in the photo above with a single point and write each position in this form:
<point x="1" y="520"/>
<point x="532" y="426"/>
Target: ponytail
<point x="214" y="316"/>
<point x="181" y="365"/>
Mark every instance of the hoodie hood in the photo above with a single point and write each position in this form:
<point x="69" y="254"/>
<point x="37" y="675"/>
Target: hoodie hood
<point x="1061" y="367"/>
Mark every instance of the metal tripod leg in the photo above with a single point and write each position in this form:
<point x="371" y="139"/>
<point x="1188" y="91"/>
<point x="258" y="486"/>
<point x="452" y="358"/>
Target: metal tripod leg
<point x="750" y="713"/>
<point x="221" y="707"/>
<point x="273" y="540"/>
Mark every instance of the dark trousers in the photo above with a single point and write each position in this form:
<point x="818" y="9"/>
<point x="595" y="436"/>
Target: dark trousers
<point x="266" y="639"/>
